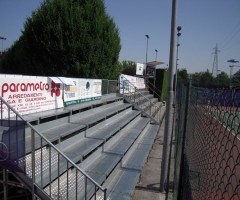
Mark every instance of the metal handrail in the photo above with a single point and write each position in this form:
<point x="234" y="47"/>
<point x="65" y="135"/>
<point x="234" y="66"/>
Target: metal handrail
<point x="158" y="93"/>
<point x="135" y="93"/>
<point x="96" y="185"/>
<point x="147" y="99"/>
<point x="133" y="86"/>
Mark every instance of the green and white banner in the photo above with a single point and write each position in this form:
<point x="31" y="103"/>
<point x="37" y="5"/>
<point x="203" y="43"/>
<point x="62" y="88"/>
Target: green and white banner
<point x="81" y="90"/>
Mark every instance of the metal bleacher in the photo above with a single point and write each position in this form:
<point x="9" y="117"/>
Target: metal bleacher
<point x="57" y="129"/>
<point x="125" y="177"/>
<point x="91" y="150"/>
<point x="69" y="110"/>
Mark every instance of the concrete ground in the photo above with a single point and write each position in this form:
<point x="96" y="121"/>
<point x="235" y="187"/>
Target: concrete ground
<point x="149" y="183"/>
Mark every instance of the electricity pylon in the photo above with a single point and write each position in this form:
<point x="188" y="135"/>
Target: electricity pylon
<point x="215" y="61"/>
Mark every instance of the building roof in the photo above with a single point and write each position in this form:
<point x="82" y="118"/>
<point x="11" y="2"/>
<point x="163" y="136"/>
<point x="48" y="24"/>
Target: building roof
<point x="154" y="63"/>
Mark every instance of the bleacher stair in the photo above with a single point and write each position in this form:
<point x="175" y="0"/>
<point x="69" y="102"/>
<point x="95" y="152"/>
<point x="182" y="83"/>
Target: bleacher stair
<point x="108" y="139"/>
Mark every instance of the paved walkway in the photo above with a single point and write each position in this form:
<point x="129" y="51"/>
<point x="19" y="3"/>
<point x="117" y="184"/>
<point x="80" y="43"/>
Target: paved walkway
<point x="148" y="186"/>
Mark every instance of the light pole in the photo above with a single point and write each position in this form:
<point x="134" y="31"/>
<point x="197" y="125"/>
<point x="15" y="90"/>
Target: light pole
<point x="156" y="54"/>
<point x="179" y="28"/>
<point x="169" y="108"/>
<point x="147" y="36"/>
<point x="233" y="61"/>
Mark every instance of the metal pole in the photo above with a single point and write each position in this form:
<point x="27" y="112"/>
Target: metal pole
<point x="169" y="107"/>
<point x="147" y="36"/>
<point x="155" y="74"/>
<point x="187" y="96"/>
<point x="145" y="74"/>
<point x="176" y="71"/>
<point x="5" y="184"/>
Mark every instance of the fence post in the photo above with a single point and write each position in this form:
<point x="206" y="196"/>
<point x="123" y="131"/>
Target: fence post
<point x="183" y="141"/>
<point x="33" y="162"/>
<point x="107" y="85"/>
<point x="5" y="186"/>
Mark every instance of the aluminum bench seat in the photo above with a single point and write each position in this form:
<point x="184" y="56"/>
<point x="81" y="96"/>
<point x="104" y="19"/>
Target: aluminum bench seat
<point x="112" y="193"/>
<point x="103" y="166"/>
<point x="115" y="122"/>
<point x="121" y="183"/>
<point x="110" y="98"/>
<point x="109" y="127"/>
<point x="36" y="117"/>
<point x="137" y="157"/>
<point x="57" y="169"/>
<point x="109" y="157"/>
<point x="79" y="146"/>
<point x="150" y="135"/>
<point x="108" y="164"/>
<point x="154" y="109"/>
<point x="52" y="135"/>
<point x="100" y="113"/>
<point x="56" y="129"/>
<point x="117" y="148"/>
<point x="100" y="167"/>
<point x="125" y="142"/>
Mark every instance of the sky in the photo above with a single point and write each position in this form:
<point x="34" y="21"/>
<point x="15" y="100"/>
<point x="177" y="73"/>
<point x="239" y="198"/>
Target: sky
<point x="205" y="24"/>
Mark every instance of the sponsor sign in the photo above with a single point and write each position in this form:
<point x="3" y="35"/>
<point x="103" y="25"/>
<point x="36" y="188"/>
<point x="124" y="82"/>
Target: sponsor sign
<point x="29" y="94"/>
<point x="82" y="90"/>
<point x="127" y="82"/>
<point x="139" y="69"/>
<point x="140" y="83"/>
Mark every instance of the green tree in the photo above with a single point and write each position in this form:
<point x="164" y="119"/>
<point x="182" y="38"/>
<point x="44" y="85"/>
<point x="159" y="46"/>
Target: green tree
<point x="129" y="67"/>
<point x="182" y="76"/>
<point x="235" y="80"/>
<point x="222" y="80"/>
<point x="195" y="78"/>
<point x="205" y="79"/>
<point x="67" y="38"/>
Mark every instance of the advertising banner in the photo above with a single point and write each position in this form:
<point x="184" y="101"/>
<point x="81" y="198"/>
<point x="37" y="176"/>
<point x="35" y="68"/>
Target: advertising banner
<point x="139" y="69"/>
<point x="81" y="90"/>
<point x="127" y="82"/>
<point x="140" y="84"/>
<point x="29" y="94"/>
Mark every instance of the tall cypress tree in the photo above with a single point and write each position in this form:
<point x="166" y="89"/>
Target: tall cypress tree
<point x="75" y="38"/>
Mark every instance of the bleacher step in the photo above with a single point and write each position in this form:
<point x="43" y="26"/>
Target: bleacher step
<point x="57" y="129"/>
<point x="121" y="183"/>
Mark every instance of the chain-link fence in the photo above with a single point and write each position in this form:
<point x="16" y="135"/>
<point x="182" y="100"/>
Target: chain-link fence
<point x="208" y="133"/>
